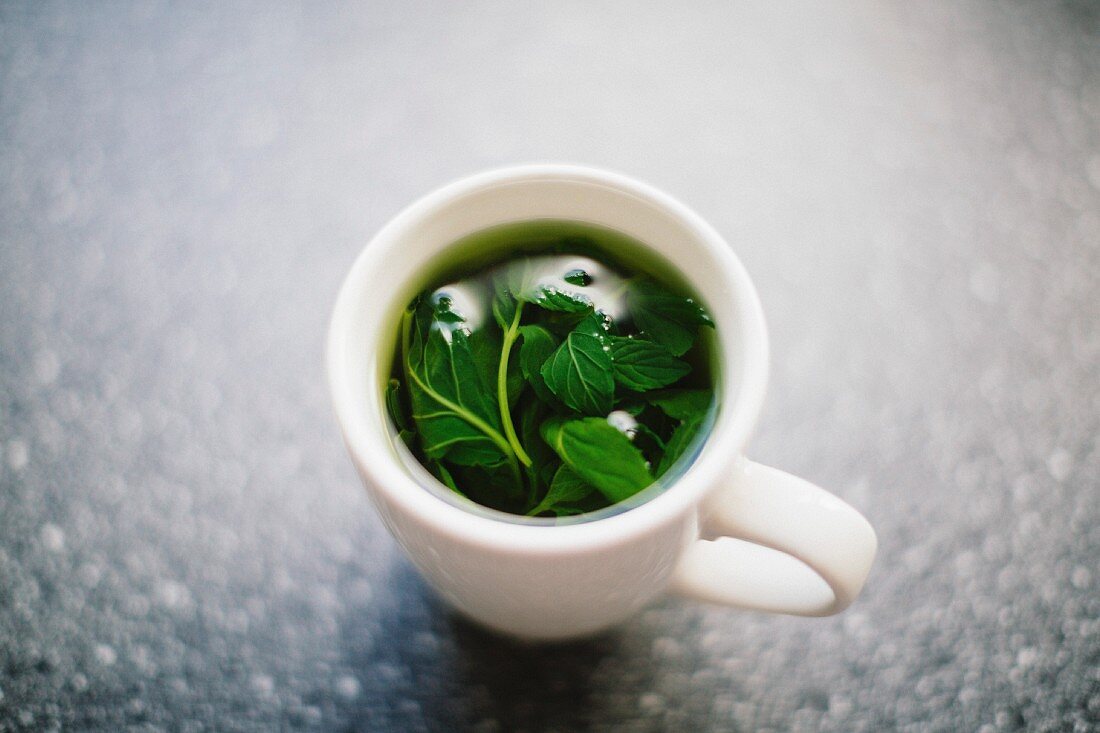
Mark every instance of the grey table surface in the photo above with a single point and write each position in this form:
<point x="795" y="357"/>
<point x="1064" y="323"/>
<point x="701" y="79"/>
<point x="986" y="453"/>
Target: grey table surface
<point x="183" y="542"/>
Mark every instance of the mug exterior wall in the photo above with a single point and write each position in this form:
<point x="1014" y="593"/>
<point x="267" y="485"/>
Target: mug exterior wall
<point x="541" y="595"/>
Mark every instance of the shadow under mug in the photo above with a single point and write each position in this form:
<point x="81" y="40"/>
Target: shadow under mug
<point x="727" y="531"/>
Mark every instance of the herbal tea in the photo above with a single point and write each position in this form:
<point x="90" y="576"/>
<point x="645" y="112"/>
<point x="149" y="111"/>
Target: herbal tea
<point x="536" y="374"/>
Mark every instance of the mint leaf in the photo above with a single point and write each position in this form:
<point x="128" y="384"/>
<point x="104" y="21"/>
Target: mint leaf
<point x="579" y="373"/>
<point x="493" y="486"/>
<point x="550" y="291"/>
<point x="543" y="460"/>
<point x="577" y="276"/>
<point x="643" y="430"/>
<point x="682" y="404"/>
<point x="538" y="344"/>
<point x="566" y="486"/>
<point x="440" y="472"/>
<point x="394" y="406"/>
<point x="486" y="346"/>
<point x="504" y="307"/>
<point x="454" y="410"/>
<point x="642" y="365"/>
<point x="442" y="305"/>
<point x="485" y="349"/>
<point x="556" y="299"/>
<point x="594" y="324"/>
<point x="599" y="454"/>
<point x="662" y="316"/>
<point x="682" y="438"/>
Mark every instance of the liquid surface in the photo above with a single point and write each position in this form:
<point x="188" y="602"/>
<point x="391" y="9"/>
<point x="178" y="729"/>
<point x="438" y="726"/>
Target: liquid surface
<point x="536" y="375"/>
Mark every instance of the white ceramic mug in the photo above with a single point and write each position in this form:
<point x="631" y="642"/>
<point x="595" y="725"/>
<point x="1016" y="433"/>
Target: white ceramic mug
<point x="728" y="531"/>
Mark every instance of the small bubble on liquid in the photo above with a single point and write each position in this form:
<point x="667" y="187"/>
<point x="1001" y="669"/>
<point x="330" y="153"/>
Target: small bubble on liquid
<point x="622" y="421"/>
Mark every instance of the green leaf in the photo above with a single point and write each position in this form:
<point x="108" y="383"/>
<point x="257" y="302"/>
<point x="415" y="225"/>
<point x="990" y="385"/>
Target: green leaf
<point x="579" y="372"/>
<point x="662" y="316"/>
<point x="682" y="439"/>
<point x="642" y="365"/>
<point x="395" y="408"/>
<point x="493" y="486"/>
<point x="555" y="299"/>
<point x="440" y="471"/>
<point x="594" y="324"/>
<point x="682" y="404"/>
<point x="543" y="460"/>
<point x="577" y="276"/>
<point x="515" y="380"/>
<point x="548" y="469"/>
<point x="566" y="486"/>
<point x="643" y="430"/>
<point x="454" y="410"/>
<point x="538" y="344"/>
<point x="549" y="291"/>
<point x="599" y="454"/>
<point x="504" y="307"/>
<point x="443" y="307"/>
<point x="485" y="346"/>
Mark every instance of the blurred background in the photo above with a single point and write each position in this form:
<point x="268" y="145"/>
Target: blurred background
<point x="915" y="188"/>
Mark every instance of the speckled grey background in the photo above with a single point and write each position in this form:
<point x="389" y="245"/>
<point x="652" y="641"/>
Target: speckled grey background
<point x="183" y="543"/>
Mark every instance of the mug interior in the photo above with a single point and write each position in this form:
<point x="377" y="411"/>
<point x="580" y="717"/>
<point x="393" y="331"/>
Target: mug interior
<point x="391" y="271"/>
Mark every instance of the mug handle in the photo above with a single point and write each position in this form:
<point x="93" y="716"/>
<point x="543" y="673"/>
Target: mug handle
<point x="774" y="542"/>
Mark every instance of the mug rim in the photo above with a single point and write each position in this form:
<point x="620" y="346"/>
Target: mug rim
<point x="721" y="450"/>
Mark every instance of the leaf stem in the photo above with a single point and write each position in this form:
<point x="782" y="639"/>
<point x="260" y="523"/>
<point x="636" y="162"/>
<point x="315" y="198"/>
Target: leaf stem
<point x="502" y="386"/>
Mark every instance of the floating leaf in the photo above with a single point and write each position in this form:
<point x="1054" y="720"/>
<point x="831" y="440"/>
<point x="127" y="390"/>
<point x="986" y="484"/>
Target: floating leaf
<point x="543" y="460"/>
<point x="579" y="373"/>
<point x="454" y="410"/>
<point x="594" y="324"/>
<point x="665" y="317"/>
<point x="555" y="299"/>
<point x="682" y="404"/>
<point x="681" y="440"/>
<point x="504" y="307"/>
<point x="599" y="454"/>
<point x="538" y="344"/>
<point x="642" y="365"/>
<point x="440" y="471"/>
<point x="578" y="276"/>
<point x="566" y="486"/>
<point x="398" y="414"/>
